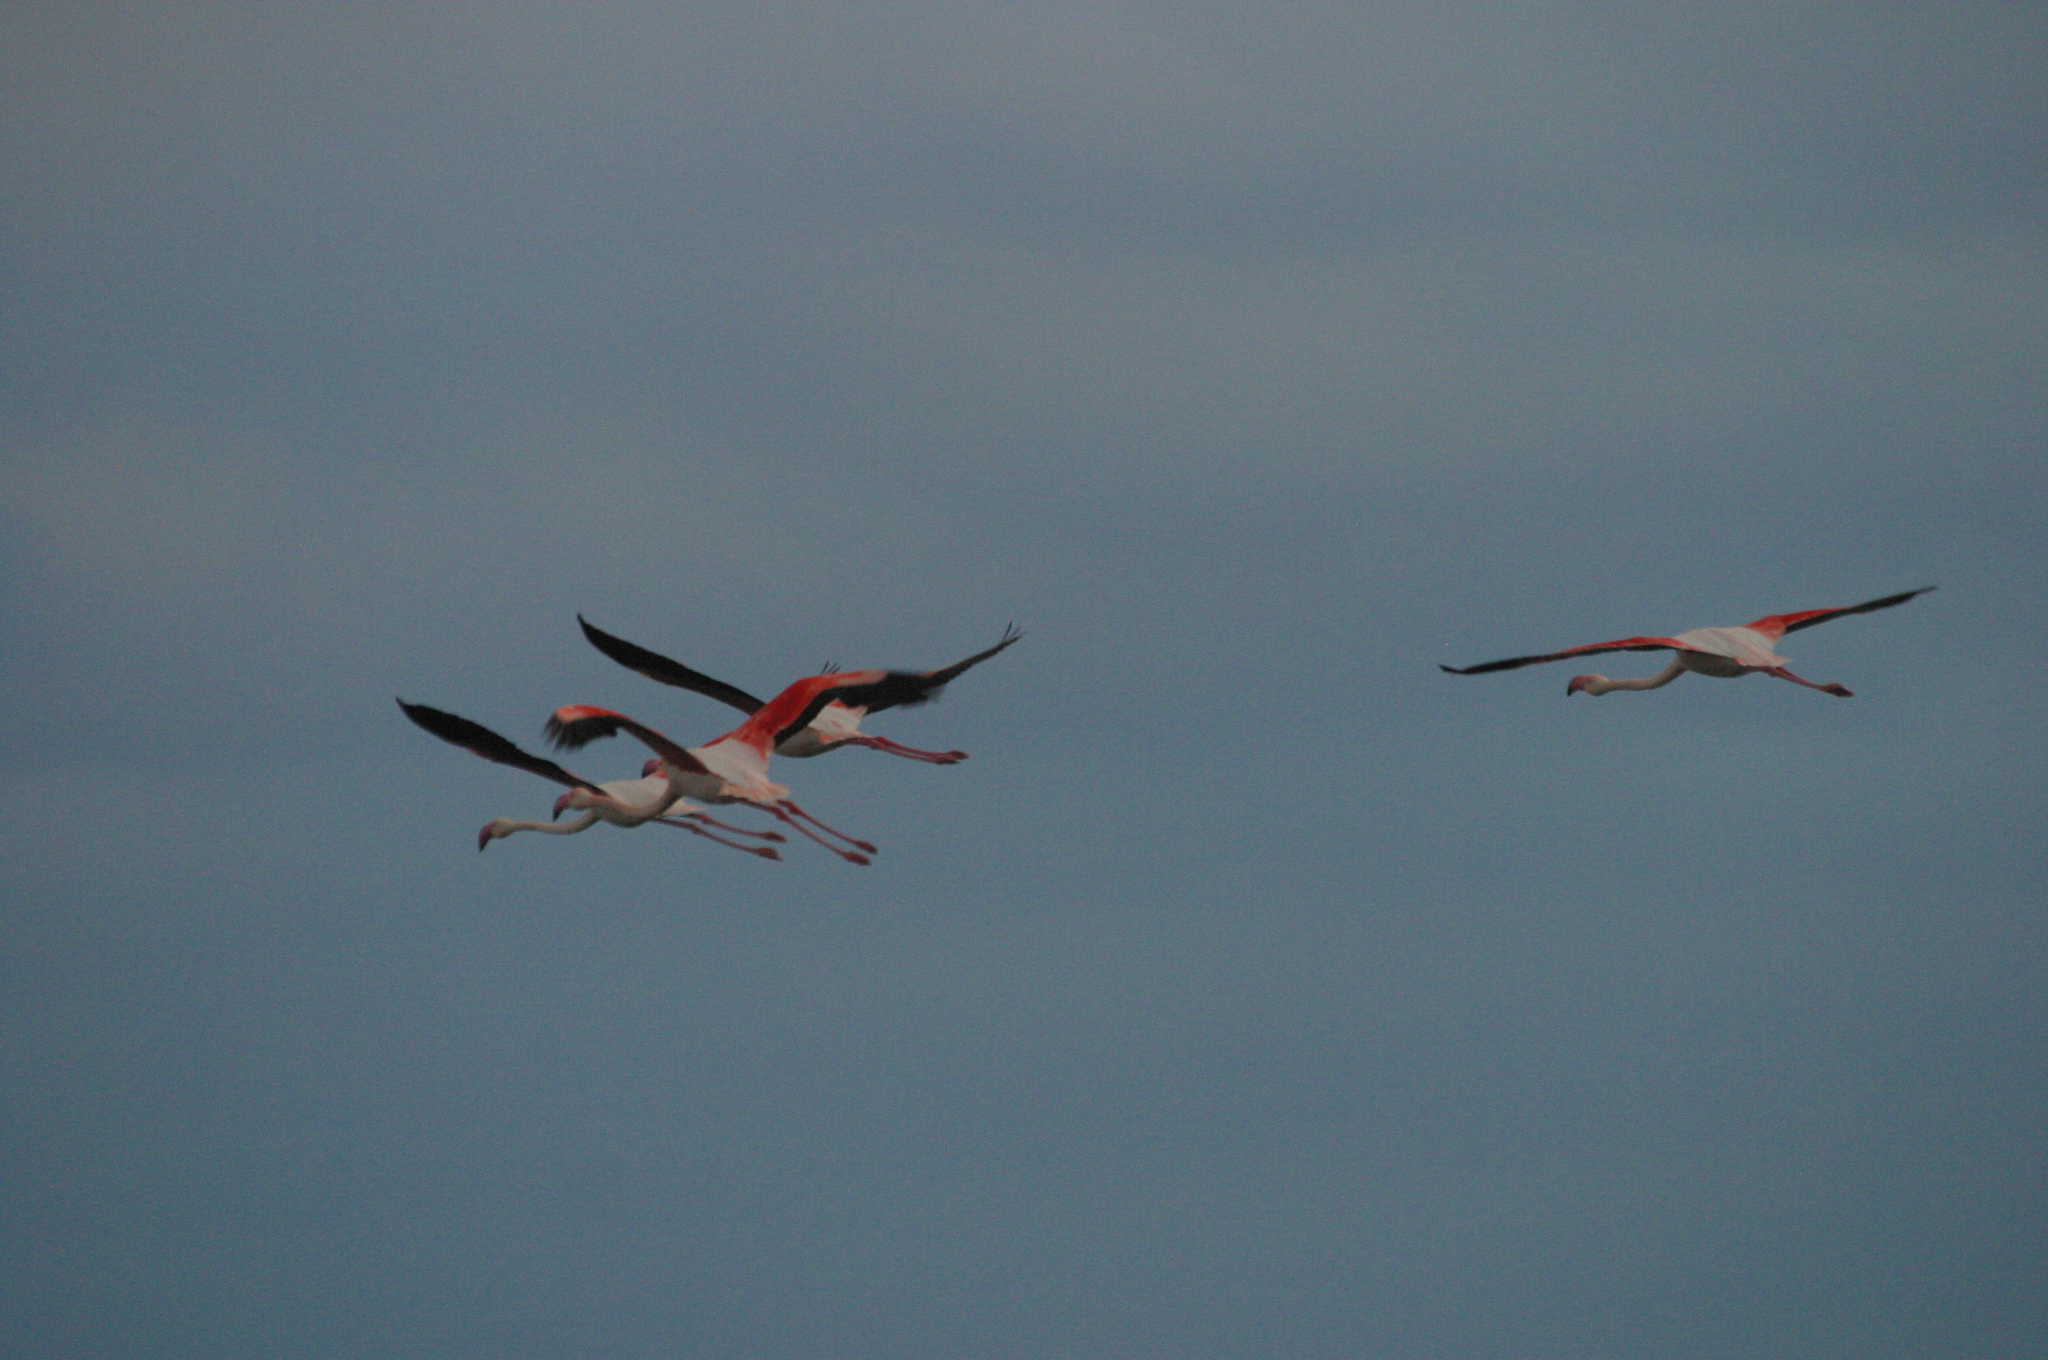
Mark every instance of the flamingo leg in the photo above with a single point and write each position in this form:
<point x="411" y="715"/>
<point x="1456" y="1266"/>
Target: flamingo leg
<point x="764" y="851"/>
<point x="853" y="841"/>
<point x="897" y="748"/>
<point x="1840" y="692"/>
<point x="708" y="820"/>
<point x="784" y="811"/>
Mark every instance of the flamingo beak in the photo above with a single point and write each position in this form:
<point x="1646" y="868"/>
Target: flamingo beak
<point x="1578" y="683"/>
<point x="562" y="805"/>
<point x="651" y="768"/>
<point x="483" y="838"/>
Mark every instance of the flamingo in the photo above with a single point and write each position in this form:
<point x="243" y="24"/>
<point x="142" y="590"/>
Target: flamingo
<point x="622" y="802"/>
<point x="835" y="726"/>
<point x="733" y="768"/>
<point x="1729" y="653"/>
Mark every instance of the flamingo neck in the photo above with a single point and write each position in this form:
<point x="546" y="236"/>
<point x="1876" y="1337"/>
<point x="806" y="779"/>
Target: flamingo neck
<point x="1600" y="684"/>
<point x="505" y="826"/>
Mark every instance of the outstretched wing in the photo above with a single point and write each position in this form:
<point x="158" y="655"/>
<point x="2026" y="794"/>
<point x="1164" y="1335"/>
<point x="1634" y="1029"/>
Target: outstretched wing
<point x="792" y="710"/>
<point x="1775" y="626"/>
<point x="655" y="666"/>
<point x="875" y="690"/>
<point x="577" y="725"/>
<point x="480" y="740"/>
<point x="1011" y="636"/>
<point x="1634" y="644"/>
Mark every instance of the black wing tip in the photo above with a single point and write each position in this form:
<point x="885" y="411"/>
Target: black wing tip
<point x="434" y="719"/>
<point x="1489" y="667"/>
<point x="431" y="719"/>
<point x="439" y="721"/>
<point x="1012" y="634"/>
<point x="610" y="644"/>
<point x="627" y="654"/>
<point x="1882" y="602"/>
<point x="575" y="735"/>
<point x="945" y="675"/>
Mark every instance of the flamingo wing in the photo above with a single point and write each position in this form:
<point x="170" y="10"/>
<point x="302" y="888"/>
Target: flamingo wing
<point x="577" y="725"/>
<point x="1011" y="636"/>
<point x="1633" y="644"/>
<point x="480" y="740"/>
<point x="1775" y="626"/>
<point x="792" y="710"/>
<point x="874" y="690"/>
<point x="655" y="666"/>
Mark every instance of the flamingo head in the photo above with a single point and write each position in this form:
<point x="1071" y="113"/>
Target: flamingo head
<point x="491" y="831"/>
<point x="651" y="768"/>
<point x="565" y="802"/>
<point x="1592" y="684"/>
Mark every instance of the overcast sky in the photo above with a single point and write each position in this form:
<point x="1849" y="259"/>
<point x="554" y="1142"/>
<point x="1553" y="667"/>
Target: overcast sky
<point x="1256" y="989"/>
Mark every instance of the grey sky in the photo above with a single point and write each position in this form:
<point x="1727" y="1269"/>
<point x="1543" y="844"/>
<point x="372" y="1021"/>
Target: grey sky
<point x="1256" y="989"/>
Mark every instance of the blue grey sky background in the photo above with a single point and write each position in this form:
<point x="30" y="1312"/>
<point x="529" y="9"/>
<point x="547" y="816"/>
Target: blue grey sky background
<point x="1256" y="989"/>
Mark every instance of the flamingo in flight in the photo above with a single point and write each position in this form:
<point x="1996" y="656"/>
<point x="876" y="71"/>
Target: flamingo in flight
<point x="834" y="726"/>
<point x="1729" y="653"/>
<point x="622" y="802"/>
<point x="733" y="768"/>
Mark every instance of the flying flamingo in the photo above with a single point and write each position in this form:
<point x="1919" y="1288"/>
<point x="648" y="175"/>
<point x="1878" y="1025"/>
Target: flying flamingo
<point x="733" y="768"/>
<point x="836" y="725"/>
<point x="622" y="802"/>
<point x="1729" y="653"/>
